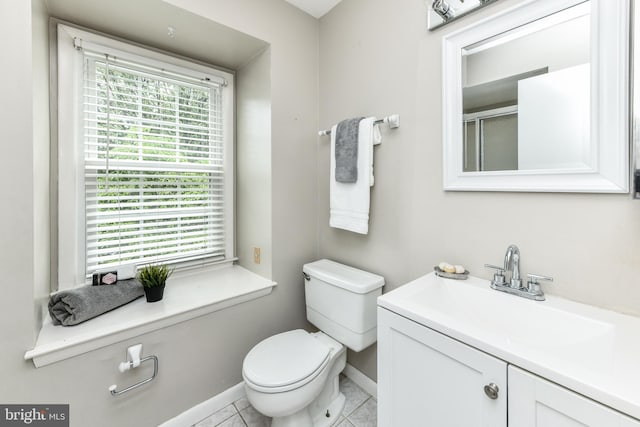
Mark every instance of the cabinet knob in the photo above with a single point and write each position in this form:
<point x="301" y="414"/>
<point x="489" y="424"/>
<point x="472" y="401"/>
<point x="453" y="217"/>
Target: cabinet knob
<point x="491" y="390"/>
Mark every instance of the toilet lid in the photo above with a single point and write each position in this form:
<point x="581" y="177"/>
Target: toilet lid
<point x="285" y="359"/>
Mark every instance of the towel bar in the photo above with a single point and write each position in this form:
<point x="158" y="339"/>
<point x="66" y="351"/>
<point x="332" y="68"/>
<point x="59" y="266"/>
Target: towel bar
<point x="113" y="388"/>
<point x="393" y="121"/>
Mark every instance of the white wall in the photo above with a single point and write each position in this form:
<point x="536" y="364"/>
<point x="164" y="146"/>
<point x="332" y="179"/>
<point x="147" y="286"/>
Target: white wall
<point x="16" y="173"/>
<point x="198" y="358"/>
<point x="253" y="163"/>
<point x="377" y="57"/>
<point x="41" y="141"/>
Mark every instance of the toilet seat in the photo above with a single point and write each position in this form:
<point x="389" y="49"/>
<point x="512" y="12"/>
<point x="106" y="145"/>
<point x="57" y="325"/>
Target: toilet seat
<point x="285" y="362"/>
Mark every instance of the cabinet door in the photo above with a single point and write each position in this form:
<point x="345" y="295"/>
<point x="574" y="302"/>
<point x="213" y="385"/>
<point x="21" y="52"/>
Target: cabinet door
<point x="536" y="402"/>
<point x="426" y="379"/>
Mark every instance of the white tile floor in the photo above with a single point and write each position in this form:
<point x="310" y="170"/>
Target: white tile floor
<point x="360" y="410"/>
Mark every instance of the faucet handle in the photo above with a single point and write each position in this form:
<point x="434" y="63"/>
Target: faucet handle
<point x="533" y="284"/>
<point x="498" y="276"/>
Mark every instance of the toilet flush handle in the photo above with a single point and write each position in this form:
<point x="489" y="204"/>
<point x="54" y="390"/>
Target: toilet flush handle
<point x="306" y="276"/>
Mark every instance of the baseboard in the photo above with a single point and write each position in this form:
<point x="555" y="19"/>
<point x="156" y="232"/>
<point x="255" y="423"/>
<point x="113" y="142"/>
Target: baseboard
<point x="203" y="410"/>
<point x="361" y="380"/>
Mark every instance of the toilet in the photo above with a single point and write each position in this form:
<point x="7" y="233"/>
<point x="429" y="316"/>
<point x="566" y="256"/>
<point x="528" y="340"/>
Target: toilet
<point x="293" y="377"/>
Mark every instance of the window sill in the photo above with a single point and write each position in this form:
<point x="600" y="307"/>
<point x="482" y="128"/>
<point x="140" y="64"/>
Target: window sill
<point x="187" y="295"/>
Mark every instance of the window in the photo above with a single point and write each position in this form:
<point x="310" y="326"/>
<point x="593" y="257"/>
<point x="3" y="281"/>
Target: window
<point x="147" y="165"/>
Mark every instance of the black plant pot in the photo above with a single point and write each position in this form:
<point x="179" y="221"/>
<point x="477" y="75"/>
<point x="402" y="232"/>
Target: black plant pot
<point x="154" y="293"/>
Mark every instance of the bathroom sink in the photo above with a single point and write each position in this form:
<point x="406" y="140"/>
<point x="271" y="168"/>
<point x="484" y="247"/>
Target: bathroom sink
<point x="514" y="321"/>
<point x="590" y="350"/>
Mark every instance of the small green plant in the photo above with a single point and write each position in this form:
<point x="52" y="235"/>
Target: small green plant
<point x="154" y="275"/>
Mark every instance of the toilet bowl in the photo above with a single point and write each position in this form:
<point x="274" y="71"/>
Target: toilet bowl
<point x="293" y="377"/>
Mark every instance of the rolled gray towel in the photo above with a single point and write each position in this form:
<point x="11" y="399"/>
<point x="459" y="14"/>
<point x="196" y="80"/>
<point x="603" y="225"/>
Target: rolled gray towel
<point x="68" y="308"/>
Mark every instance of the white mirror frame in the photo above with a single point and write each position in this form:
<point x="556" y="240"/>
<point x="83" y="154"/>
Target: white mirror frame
<point x="610" y="29"/>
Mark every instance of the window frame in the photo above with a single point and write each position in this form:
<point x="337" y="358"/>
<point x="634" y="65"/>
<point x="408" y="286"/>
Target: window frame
<point x="70" y="245"/>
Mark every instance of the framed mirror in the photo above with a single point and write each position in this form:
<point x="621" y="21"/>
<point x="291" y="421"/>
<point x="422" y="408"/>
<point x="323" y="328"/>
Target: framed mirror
<point x="536" y="98"/>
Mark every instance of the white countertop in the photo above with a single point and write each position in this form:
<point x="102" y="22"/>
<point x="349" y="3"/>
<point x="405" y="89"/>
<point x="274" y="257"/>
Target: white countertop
<point x="592" y="351"/>
<point x="187" y="295"/>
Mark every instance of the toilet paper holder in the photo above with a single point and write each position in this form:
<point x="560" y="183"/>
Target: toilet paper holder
<point x="133" y="361"/>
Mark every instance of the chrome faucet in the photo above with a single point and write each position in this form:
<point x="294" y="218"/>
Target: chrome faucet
<point x="512" y="264"/>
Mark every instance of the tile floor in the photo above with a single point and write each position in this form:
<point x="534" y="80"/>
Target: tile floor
<point x="360" y="410"/>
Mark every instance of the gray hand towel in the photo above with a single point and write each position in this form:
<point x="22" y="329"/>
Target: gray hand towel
<point x="74" y="306"/>
<point x="347" y="150"/>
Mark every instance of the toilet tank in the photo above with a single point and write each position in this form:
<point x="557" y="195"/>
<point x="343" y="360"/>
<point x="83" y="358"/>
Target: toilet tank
<point x="341" y="302"/>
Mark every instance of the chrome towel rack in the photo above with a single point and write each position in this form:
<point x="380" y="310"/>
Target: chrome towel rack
<point x="393" y="121"/>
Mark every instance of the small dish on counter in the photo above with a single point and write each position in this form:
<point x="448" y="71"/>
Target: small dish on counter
<point x="457" y="276"/>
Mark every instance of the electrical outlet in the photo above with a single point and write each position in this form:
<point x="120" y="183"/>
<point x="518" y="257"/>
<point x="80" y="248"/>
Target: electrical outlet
<point x="256" y="255"/>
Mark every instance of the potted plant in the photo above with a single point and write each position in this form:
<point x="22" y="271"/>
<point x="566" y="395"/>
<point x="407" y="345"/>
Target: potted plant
<point x="153" y="279"/>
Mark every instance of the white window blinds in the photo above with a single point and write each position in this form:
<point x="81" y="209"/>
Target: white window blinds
<point x="153" y="165"/>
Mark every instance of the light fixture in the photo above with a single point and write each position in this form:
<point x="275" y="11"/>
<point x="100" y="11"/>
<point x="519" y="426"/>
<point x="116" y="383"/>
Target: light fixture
<point x="443" y="9"/>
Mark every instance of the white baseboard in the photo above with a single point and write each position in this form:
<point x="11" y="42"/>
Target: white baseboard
<point x="203" y="410"/>
<point x="361" y="380"/>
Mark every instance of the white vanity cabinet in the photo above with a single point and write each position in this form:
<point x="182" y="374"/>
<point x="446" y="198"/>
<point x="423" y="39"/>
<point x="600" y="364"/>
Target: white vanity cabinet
<point x="536" y="402"/>
<point x="427" y="379"/>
